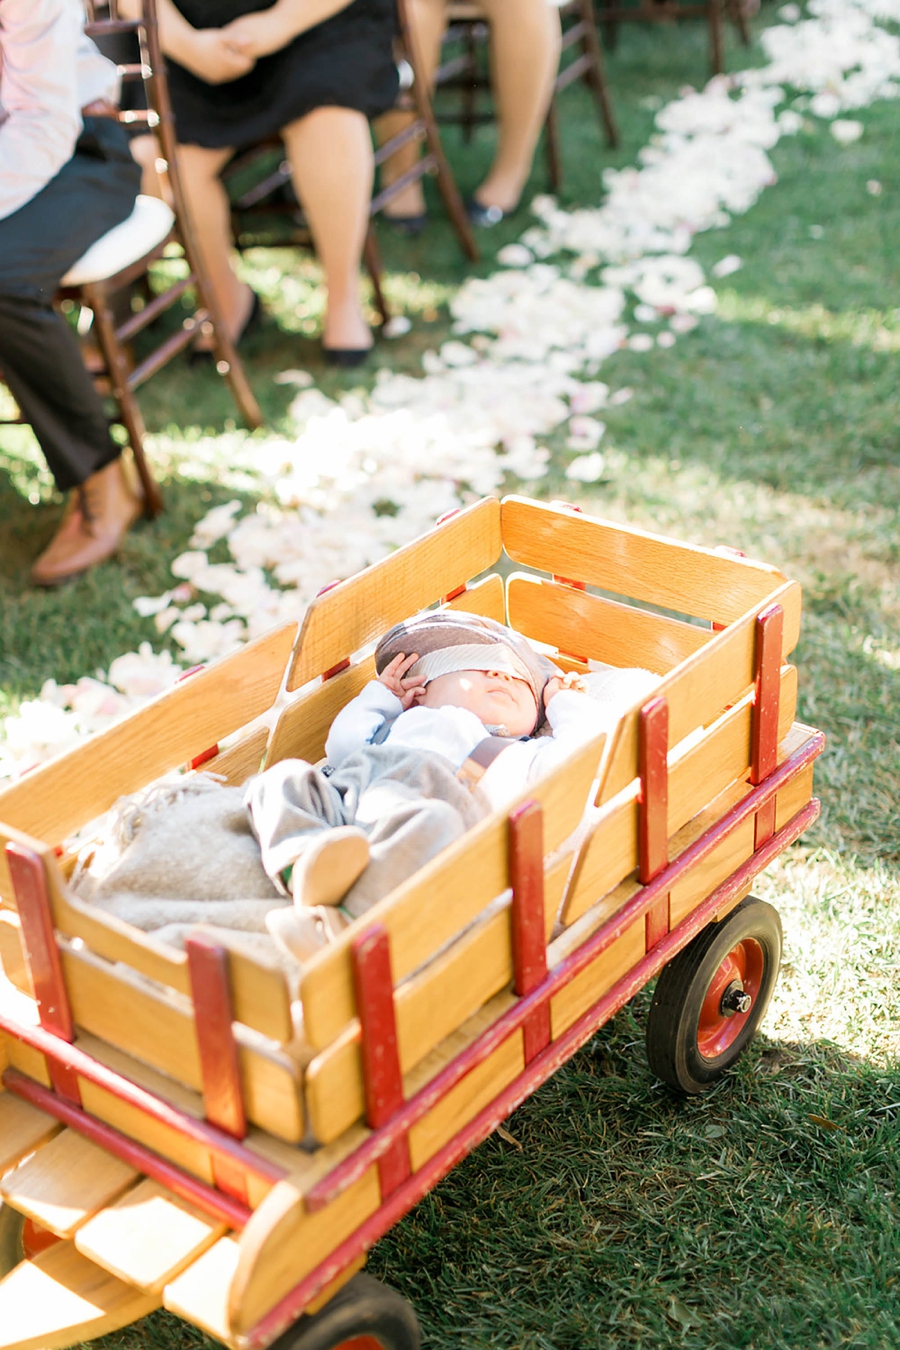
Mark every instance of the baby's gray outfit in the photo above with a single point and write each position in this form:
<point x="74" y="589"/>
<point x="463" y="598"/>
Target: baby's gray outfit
<point x="410" y="804"/>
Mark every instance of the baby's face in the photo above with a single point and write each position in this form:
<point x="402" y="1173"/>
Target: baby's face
<point x="492" y="695"/>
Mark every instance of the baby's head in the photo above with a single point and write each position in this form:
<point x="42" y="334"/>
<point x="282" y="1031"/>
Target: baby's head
<point x="504" y="702"/>
<point x="467" y="661"/>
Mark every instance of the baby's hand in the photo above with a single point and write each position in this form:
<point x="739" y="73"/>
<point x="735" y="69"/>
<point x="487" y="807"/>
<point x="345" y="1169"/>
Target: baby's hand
<point x="570" y="681"/>
<point x="406" y="689"/>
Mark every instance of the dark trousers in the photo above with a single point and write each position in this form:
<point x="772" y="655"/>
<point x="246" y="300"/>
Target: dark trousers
<point x="39" y="355"/>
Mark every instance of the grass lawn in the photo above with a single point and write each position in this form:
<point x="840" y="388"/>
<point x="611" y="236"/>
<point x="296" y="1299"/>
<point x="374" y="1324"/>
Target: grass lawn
<point x="615" y="1215"/>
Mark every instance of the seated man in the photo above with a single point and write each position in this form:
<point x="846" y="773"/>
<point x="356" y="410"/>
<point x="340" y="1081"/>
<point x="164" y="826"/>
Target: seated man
<point x="444" y="735"/>
<point x="66" y="178"/>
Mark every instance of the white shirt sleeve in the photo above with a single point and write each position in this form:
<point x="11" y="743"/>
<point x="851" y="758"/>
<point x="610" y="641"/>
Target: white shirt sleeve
<point x="574" y="719"/>
<point x="451" y="732"/>
<point x="48" y="71"/>
<point x="359" y="720"/>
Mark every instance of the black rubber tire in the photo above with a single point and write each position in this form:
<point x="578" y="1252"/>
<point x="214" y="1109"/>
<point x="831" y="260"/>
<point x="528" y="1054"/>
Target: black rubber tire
<point x="673" y="1023"/>
<point x="364" y="1307"/>
<point x="12" y="1252"/>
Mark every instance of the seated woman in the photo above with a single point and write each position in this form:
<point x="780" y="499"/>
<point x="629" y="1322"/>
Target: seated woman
<point x="524" y="38"/>
<point x="313" y="71"/>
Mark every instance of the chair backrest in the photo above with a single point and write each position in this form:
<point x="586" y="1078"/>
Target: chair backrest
<point x="257" y="177"/>
<point x="104" y="21"/>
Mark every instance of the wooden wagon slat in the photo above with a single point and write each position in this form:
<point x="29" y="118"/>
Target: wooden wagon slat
<point x="29" y="882"/>
<point x="148" y="1236"/>
<point x="23" y="1128"/>
<point x="703" y="686"/>
<point x="698" y="774"/>
<point x="356" y="611"/>
<point x="135" y="1155"/>
<point x="66" y="1182"/>
<point x="60" y="1298"/>
<point x="624" y="560"/>
<point x="120" y="1008"/>
<point x="604" y="630"/>
<point x="324" y="1191"/>
<point x="382" y="1083"/>
<point x="260" y="992"/>
<point x="458" y="884"/>
<point x="59" y="797"/>
<point x="145" y="1102"/>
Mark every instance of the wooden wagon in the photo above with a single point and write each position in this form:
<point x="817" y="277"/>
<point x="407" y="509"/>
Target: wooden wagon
<point x="174" y="1131"/>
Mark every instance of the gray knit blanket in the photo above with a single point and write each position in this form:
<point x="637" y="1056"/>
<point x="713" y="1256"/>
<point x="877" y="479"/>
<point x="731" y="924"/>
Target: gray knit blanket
<point x="182" y="853"/>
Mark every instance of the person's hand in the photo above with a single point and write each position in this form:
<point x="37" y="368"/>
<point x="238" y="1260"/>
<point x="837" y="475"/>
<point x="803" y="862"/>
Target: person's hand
<point x="406" y="688"/>
<point x="558" y="682"/>
<point x="259" y="34"/>
<point x="216" y="58"/>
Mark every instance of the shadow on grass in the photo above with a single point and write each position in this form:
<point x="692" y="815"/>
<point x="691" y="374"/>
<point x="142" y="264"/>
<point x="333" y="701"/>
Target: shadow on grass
<point x="617" y="1215"/>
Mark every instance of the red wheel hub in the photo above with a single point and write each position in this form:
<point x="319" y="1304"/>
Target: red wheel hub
<point x="361" y="1343"/>
<point x="742" y="969"/>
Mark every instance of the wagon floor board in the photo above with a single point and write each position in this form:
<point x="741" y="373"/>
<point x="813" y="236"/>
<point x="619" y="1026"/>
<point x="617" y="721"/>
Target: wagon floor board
<point x="61" y="1298"/>
<point x="148" y="1236"/>
<point x="200" y="1293"/>
<point x="23" y="1128"/>
<point x="65" y="1182"/>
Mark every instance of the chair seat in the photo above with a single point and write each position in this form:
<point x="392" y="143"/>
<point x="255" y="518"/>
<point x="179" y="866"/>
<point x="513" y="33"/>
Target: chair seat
<point x="146" y="227"/>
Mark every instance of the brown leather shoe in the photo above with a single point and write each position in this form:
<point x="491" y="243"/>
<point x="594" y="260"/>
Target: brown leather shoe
<point x="102" y="510"/>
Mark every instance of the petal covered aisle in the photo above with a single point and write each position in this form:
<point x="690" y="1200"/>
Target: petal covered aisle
<point x="363" y="474"/>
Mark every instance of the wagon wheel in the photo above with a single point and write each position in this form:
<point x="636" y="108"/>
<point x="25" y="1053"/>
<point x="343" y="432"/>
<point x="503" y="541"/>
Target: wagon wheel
<point x="364" y="1315"/>
<point x="20" y="1238"/>
<point x="710" y="999"/>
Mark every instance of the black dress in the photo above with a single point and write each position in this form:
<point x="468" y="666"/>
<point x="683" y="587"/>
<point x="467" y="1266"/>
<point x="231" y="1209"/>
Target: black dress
<point x="345" y="62"/>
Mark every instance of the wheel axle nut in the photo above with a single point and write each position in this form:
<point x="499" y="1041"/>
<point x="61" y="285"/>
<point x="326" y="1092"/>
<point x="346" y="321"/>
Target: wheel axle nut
<point x="735" y="1000"/>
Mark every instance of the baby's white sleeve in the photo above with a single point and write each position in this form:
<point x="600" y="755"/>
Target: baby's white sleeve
<point x="574" y="719"/>
<point x="359" y="720"/>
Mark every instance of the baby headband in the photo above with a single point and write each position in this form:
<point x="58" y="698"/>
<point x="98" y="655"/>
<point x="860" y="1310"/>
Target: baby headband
<point x="434" y="631"/>
<point x="473" y="656"/>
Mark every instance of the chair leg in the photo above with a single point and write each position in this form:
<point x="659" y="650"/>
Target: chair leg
<point x="372" y="259"/>
<point x="597" y="74"/>
<point x="739" y="17"/>
<point x="446" y="182"/>
<point x="113" y="355"/>
<point x="715" y="36"/>
<point x="551" y="143"/>
<point x="228" y="363"/>
<point x="470" y="90"/>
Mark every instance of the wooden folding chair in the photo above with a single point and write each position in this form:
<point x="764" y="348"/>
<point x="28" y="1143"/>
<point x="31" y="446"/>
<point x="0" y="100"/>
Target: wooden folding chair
<point x="468" y="26"/>
<point x="269" y="198"/>
<point x="670" y="11"/>
<point x="123" y="256"/>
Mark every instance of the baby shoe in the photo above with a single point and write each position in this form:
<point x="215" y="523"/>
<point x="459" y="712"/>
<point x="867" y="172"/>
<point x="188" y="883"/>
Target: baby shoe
<point x="303" y="932"/>
<point x="329" y="865"/>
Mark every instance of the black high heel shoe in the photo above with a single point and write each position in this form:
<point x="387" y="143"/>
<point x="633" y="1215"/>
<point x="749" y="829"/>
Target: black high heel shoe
<point x="409" y="226"/>
<point x="486" y="216"/>
<point x="203" y="356"/>
<point x="346" y="358"/>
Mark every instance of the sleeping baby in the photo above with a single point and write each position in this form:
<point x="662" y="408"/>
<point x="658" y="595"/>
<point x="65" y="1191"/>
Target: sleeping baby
<point x="444" y="735"/>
